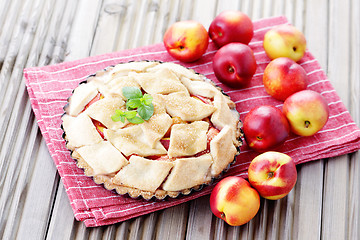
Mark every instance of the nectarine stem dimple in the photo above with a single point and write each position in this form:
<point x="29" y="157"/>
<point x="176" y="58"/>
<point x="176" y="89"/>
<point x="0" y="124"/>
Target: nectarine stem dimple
<point x="222" y="215"/>
<point x="181" y="47"/>
<point x="231" y="69"/>
<point x="270" y="175"/>
<point x="294" y="48"/>
<point x="307" y="124"/>
<point x="259" y="138"/>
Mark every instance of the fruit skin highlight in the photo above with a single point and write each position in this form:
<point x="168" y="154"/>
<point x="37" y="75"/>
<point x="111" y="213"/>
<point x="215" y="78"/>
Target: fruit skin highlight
<point x="234" y="201"/>
<point x="234" y="65"/>
<point x="186" y="41"/>
<point x="307" y="112"/>
<point x="272" y="174"/>
<point x="265" y="127"/>
<point x="231" y="26"/>
<point x="284" y="77"/>
<point x="285" y="41"/>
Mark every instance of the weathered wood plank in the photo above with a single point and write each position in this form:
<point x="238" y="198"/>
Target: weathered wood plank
<point x="126" y="25"/>
<point x="11" y="43"/>
<point x="233" y="233"/>
<point x="13" y="194"/>
<point x="353" y="211"/>
<point x="278" y="7"/>
<point x="335" y="198"/>
<point x="63" y="32"/>
<point x="204" y="11"/>
<point x="46" y="53"/>
<point x="62" y="220"/>
<point x="171" y="222"/>
<point x="273" y="223"/>
<point x="267" y="8"/>
<point x="298" y="19"/>
<point x="355" y="61"/>
<point x="43" y="35"/>
<point x="4" y="11"/>
<point x="339" y="57"/>
<point x="106" y="31"/>
<point x="80" y="231"/>
<point x="109" y="232"/>
<point x="83" y="22"/>
<point x="308" y="190"/>
<point x="336" y="180"/>
<point x="37" y="206"/>
<point x="287" y="213"/>
<point x="219" y="228"/>
<point x="297" y="217"/>
<point x="40" y="184"/>
<point x="11" y="15"/>
<point x="137" y="25"/>
<point x="354" y="188"/>
<point x="149" y="226"/>
<point x="289" y="10"/>
<point x="227" y="5"/>
<point x="166" y="14"/>
<point x="199" y="219"/>
<point x="308" y="207"/>
<point x="258" y="225"/>
<point x="257" y="9"/>
<point x="246" y="7"/>
<point x="95" y="233"/>
<point x="83" y="27"/>
<point x="186" y="10"/>
<point x="135" y="228"/>
<point x="122" y="230"/>
<point x="150" y="22"/>
<point x="20" y="134"/>
<point x="39" y="52"/>
<point x="21" y="119"/>
<point x="316" y="30"/>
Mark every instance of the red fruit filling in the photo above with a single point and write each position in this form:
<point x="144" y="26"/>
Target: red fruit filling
<point x="95" y="99"/>
<point x="211" y="134"/>
<point x="203" y="99"/>
<point x="165" y="142"/>
<point x="159" y="158"/>
<point x="99" y="127"/>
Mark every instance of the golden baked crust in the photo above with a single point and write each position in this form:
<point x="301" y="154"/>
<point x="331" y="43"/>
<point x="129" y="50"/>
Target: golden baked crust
<point x="192" y="137"/>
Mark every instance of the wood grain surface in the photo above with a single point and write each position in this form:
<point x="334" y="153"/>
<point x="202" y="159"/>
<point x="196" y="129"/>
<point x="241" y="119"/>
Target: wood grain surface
<point x="33" y="204"/>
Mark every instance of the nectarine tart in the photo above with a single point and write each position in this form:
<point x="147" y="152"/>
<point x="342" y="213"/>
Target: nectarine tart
<point x="151" y="129"/>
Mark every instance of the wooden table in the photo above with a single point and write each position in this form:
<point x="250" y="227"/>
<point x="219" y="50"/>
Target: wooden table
<point x="325" y="203"/>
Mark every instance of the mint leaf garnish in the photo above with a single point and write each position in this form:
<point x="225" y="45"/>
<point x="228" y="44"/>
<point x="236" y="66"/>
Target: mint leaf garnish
<point x="130" y="114"/>
<point x="118" y="116"/>
<point x="147" y="99"/>
<point x="146" y="111"/>
<point x="133" y="103"/>
<point x="136" y="120"/>
<point x="132" y="92"/>
<point x="136" y="103"/>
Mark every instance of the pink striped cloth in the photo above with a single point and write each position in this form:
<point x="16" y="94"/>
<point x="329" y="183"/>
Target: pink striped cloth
<point x="50" y="86"/>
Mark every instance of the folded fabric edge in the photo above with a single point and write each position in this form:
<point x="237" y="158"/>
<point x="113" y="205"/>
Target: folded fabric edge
<point x="103" y="213"/>
<point x="34" y="106"/>
<point x="108" y="212"/>
<point x="104" y="220"/>
<point x="342" y="151"/>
